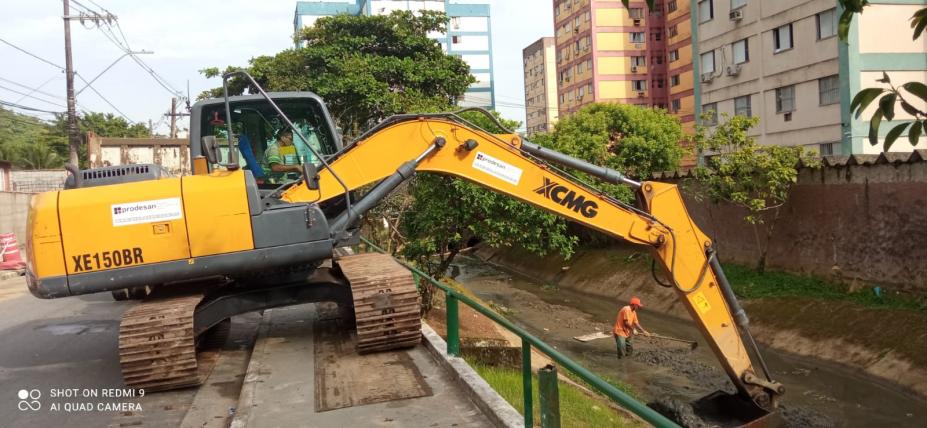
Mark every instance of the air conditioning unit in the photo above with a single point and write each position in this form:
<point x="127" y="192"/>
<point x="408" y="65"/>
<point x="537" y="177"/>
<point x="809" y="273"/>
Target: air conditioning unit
<point x="733" y="69"/>
<point x="736" y="15"/>
<point x="634" y="69"/>
<point x="637" y="22"/>
<point x="707" y="77"/>
<point x="641" y="94"/>
<point x="638" y="46"/>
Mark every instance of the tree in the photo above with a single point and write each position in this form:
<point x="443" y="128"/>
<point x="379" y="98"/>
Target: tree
<point x="102" y="124"/>
<point x="739" y="171"/>
<point x="907" y="95"/>
<point x="365" y="67"/>
<point x="630" y="139"/>
<point x="448" y="214"/>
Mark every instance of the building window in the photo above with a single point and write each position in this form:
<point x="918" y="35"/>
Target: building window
<point x="711" y="112"/>
<point x="455" y="22"/>
<point x="658" y="35"/>
<point x="636" y="13"/>
<point x="742" y="106"/>
<point x="672" y="31"/>
<point x="829" y="90"/>
<point x="638" y="37"/>
<point x="827" y="24"/>
<point x="456" y="39"/>
<point x="639" y="85"/>
<point x="708" y="62"/>
<point x="828" y="149"/>
<point x="736" y="4"/>
<point x="658" y="82"/>
<point x="706" y="10"/>
<point x="674" y="80"/>
<point x="782" y="38"/>
<point x="741" y="51"/>
<point x="671" y="6"/>
<point x="676" y="105"/>
<point x="658" y="59"/>
<point x="638" y="61"/>
<point x="785" y="99"/>
<point x="674" y="55"/>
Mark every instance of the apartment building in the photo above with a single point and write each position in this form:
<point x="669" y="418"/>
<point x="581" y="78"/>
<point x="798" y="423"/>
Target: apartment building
<point x="606" y="53"/>
<point x="541" y="110"/>
<point x="468" y="34"/>
<point x="782" y="62"/>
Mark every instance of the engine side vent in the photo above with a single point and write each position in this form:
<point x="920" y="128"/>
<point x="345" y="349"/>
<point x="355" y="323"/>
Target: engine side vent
<point x="114" y="175"/>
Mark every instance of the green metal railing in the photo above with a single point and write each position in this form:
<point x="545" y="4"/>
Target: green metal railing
<point x="452" y="297"/>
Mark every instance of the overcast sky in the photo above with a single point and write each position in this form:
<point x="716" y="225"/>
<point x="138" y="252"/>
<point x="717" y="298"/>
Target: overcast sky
<point x="187" y="36"/>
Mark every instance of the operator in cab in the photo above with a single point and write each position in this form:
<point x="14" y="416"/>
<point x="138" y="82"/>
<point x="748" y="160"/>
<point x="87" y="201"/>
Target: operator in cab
<point x="281" y="156"/>
<point x="627" y="326"/>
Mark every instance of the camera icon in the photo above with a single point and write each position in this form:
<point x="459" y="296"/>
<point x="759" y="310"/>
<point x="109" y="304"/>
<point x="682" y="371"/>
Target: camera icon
<point x="29" y="400"/>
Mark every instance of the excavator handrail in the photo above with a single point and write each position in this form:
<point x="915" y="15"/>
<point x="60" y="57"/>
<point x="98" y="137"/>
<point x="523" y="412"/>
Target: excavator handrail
<point x="392" y="152"/>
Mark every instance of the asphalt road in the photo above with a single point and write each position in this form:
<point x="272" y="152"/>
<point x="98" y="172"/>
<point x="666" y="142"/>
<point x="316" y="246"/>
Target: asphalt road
<point x="62" y="352"/>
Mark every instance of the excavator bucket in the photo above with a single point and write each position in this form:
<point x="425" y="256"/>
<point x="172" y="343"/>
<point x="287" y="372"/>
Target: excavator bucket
<point x="730" y="410"/>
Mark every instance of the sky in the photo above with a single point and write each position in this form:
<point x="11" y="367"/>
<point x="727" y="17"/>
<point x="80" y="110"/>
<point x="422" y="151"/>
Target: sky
<point x="187" y="36"/>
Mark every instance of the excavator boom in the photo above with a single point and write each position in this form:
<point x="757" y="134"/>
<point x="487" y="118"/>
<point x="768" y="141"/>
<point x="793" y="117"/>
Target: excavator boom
<point x="446" y="144"/>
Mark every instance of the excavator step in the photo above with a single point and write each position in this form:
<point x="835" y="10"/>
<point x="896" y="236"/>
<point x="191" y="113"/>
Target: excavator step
<point x="386" y="302"/>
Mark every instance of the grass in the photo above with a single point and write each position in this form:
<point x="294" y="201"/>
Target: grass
<point x="577" y="408"/>
<point x="750" y="284"/>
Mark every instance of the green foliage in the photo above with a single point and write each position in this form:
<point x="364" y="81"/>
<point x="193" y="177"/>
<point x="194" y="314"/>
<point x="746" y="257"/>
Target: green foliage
<point x="365" y="67"/>
<point x="740" y="171"/>
<point x="633" y="140"/>
<point x="577" y="408"/>
<point x="34" y="144"/>
<point x="906" y="95"/>
<point x="447" y="213"/>
<point x="750" y="284"/>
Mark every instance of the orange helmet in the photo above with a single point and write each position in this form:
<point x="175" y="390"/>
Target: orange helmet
<point x="636" y="301"/>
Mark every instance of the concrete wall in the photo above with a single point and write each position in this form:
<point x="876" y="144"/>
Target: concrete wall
<point x="861" y="223"/>
<point x="14" y="207"/>
<point x="37" y="180"/>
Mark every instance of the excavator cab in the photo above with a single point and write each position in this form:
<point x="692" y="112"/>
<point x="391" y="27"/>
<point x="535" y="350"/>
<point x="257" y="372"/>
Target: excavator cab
<point x="257" y="128"/>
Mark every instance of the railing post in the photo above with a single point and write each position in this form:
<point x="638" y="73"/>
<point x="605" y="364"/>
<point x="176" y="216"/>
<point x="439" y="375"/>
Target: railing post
<point x="453" y="324"/>
<point x="549" y="393"/>
<point x="526" y="382"/>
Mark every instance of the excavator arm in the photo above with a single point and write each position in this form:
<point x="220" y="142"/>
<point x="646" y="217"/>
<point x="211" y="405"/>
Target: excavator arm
<point x="445" y="144"/>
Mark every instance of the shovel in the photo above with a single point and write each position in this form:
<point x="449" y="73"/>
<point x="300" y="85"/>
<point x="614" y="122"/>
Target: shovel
<point x="692" y="344"/>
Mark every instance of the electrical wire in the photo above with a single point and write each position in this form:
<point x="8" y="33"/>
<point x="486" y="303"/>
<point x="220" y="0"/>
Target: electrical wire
<point x="22" y="107"/>
<point x="32" y="96"/>
<point x="34" y="90"/>
<point x="32" y="55"/>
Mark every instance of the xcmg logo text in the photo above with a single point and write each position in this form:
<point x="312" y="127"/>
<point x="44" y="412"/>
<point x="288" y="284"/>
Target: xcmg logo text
<point x="568" y="198"/>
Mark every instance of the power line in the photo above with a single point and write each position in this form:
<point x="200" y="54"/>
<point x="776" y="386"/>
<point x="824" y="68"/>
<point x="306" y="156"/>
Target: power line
<point x="95" y="91"/>
<point x="22" y="107"/>
<point x="34" y="90"/>
<point x="32" y="55"/>
<point x="31" y="96"/>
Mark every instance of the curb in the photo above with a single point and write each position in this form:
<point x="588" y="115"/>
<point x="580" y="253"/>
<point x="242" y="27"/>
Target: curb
<point x="7" y="274"/>
<point x="499" y="411"/>
<point x="248" y="386"/>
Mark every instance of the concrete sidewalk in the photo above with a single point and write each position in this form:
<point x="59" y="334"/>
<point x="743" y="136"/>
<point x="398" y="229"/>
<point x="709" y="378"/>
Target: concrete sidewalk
<point x="281" y="385"/>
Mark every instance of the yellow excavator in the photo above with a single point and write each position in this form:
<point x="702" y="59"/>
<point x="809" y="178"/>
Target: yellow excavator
<point x="231" y="238"/>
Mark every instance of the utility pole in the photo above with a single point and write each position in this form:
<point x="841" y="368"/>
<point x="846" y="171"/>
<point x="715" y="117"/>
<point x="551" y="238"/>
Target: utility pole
<point x="73" y="132"/>
<point x="73" y="137"/>
<point x="174" y="115"/>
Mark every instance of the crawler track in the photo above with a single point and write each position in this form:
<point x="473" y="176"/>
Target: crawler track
<point x="386" y="303"/>
<point x="157" y="347"/>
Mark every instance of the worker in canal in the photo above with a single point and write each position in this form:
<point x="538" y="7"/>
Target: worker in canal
<point x="627" y="326"/>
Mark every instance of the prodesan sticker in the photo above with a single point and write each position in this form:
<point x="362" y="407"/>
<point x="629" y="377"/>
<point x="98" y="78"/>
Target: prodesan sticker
<point x="497" y="168"/>
<point x="146" y="211"/>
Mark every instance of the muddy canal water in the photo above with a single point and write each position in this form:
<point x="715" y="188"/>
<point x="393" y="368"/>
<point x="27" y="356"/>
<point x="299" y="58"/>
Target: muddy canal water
<point x="818" y="393"/>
